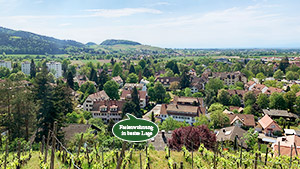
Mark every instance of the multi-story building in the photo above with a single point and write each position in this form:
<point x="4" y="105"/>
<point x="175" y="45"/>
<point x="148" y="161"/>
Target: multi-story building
<point x="108" y="109"/>
<point x="130" y="86"/>
<point x="6" y="64"/>
<point x="56" y="68"/>
<point x="230" y="78"/>
<point x="91" y="99"/>
<point x="25" y="67"/>
<point x="143" y="97"/>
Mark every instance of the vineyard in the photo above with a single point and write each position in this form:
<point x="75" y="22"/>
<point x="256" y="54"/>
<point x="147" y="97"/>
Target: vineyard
<point x="97" y="156"/>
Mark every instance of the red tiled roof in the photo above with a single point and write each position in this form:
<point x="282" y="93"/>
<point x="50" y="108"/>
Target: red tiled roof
<point x="246" y="119"/>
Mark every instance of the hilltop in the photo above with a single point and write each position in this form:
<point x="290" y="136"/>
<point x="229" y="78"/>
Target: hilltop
<point x="111" y="42"/>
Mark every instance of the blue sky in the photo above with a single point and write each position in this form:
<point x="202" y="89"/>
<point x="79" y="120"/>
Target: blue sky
<point x="164" y="23"/>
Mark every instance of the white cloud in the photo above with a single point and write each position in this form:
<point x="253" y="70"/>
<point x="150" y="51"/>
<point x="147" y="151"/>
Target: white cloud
<point x="110" y="13"/>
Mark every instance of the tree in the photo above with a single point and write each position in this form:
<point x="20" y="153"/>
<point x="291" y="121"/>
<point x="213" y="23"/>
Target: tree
<point x="142" y="63"/>
<point x="17" y="76"/>
<point x="103" y="78"/>
<point x="290" y="98"/>
<point x="249" y="98"/>
<point x="215" y="84"/>
<point x="112" y="89"/>
<point x="112" y="61"/>
<point x="32" y="69"/>
<point x="136" y="101"/>
<point x="277" y="101"/>
<point x="224" y="97"/>
<point x="190" y="138"/>
<point x="173" y="66"/>
<point x="130" y="107"/>
<point x="64" y="66"/>
<point x="284" y="63"/>
<point x="260" y="76"/>
<point x="131" y="69"/>
<point x="132" y="78"/>
<point x="297" y="103"/>
<point x="185" y="79"/>
<point x="215" y="107"/>
<point x="198" y="94"/>
<point x="202" y="120"/>
<point x="174" y="86"/>
<point x="278" y="74"/>
<point x="88" y="88"/>
<point x="263" y="101"/>
<point x="169" y="124"/>
<point x="292" y="75"/>
<point x="70" y="80"/>
<point x="188" y="92"/>
<point x="219" y="119"/>
<point x="43" y="97"/>
<point x="93" y="75"/>
<point x="160" y="92"/>
<point x="147" y="73"/>
<point x="235" y="100"/>
<point x="117" y="70"/>
<point x="110" y="125"/>
<point x="251" y="138"/>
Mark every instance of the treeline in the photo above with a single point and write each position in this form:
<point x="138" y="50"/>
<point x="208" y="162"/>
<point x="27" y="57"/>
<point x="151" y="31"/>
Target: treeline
<point x="119" y="42"/>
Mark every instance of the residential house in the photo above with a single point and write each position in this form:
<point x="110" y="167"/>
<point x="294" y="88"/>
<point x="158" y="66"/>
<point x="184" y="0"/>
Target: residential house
<point x="192" y="72"/>
<point x="286" y="142"/>
<point x="230" y="78"/>
<point x="130" y="86"/>
<point x="245" y="120"/>
<point x="267" y="126"/>
<point x="166" y="81"/>
<point x="181" y="112"/>
<point x="276" y="114"/>
<point x="143" y="97"/>
<point x="108" y="109"/>
<point x="72" y="129"/>
<point x="25" y="67"/>
<point x="118" y="79"/>
<point x="259" y="87"/>
<point x="272" y="90"/>
<point x="197" y="84"/>
<point x="229" y="134"/>
<point x="240" y="93"/>
<point x="188" y="101"/>
<point x="91" y="99"/>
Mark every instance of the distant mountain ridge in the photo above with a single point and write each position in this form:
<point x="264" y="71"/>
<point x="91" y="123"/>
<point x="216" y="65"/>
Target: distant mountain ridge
<point x="22" y="42"/>
<point x="111" y="42"/>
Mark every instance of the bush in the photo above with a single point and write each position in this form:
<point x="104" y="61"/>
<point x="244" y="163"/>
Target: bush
<point x="277" y="133"/>
<point x="188" y="136"/>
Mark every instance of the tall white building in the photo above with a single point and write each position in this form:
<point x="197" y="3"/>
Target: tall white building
<point x="25" y="67"/>
<point x="56" y="68"/>
<point x="6" y="64"/>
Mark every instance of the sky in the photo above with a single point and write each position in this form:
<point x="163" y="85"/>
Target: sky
<point x="163" y="23"/>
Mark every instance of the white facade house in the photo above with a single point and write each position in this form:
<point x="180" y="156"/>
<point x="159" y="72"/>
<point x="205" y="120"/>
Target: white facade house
<point x="25" y="67"/>
<point x="6" y="64"/>
<point x="91" y="99"/>
<point x="55" y="67"/>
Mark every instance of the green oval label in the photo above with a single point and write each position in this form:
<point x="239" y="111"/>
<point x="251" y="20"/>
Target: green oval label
<point x="135" y="129"/>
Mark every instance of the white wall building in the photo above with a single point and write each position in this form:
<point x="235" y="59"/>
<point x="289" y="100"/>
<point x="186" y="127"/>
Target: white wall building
<point x="6" y="64"/>
<point x="56" y="67"/>
<point x="25" y="67"/>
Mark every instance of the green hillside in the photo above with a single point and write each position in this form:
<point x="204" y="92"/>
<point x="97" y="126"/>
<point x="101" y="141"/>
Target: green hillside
<point x="21" y="42"/>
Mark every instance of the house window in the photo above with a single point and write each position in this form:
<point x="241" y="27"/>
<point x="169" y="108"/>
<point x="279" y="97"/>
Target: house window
<point x="273" y="126"/>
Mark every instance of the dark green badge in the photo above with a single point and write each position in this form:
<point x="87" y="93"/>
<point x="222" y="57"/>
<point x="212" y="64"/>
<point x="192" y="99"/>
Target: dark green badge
<point x="135" y="129"/>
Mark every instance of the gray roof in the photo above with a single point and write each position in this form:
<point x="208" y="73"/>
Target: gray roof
<point x="279" y="113"/>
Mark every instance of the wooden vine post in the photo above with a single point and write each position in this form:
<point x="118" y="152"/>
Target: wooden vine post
<point x="6" y="153"/>
<point x="266" y="159"/>
<point x="47" y="146"/>
<point x="241" y="155"/>
<point x="53" y="145"/>
<point x="255" y="161"/>
<point x="278" y="148"/>
<point x="141" y="165"/>
<point x="19" y="153"/>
